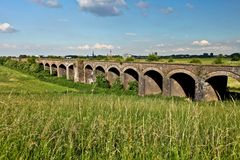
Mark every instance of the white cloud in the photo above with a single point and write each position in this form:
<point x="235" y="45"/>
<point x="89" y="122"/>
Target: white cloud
<point x="48" y="3"/>
<point x="6" y="28"/>
<point x="238" y="41"/>
<point x="130" y="34"/>
<point x="102" y="46"/>
<point x="7" y="46"/>
<point x="201" y="43"/>
<point x="181" y="50"/>
<point x="142" y="5"/>
<point x="97" y="46"/>
<point x="102" y="8"/>
<point x="167" y="11"/>
<point x="189" y="5"/>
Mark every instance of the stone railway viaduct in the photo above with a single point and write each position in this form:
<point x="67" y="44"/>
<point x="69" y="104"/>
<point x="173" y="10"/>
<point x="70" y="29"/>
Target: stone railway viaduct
<point x="198" y="82"/>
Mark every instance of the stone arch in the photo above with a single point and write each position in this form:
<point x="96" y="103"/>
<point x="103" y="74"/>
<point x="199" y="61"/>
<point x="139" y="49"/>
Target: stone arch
<point x="99" y="70"/>
<point x="71" y="72"/>
<point x="41" y="65"/>
<point x="62" y="70"/>
<point x="88" y="74"/>
<point x="113" y="73"/>
<point x="130" y="74"/>
<point x="153" y="81"/>
<point x="53" y="69"/>
<point x="215" y="85"/>
<point x="222" y="73"/>
<point x="182" y="83"/>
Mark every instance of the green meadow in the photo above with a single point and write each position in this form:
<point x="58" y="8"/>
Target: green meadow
<point x="42" y="120"/>
<point x="14" y="81"/>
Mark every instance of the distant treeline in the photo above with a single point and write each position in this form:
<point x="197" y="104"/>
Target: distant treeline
<point x="234" y="56"/>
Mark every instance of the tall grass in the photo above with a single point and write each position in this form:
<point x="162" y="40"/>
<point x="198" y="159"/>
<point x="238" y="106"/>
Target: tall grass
<point x="72" y="126"/>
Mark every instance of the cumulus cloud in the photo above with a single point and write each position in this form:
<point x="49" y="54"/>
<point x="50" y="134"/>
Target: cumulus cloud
<point x="201" y="43"/>
<point x="102" y="8"/>
<point x="167" y="11"/>
<point x="7" y="46"/>
<point x="48" y="3"/>
<point x="97" y="46"/>
<point x="6" y="28"/>
<point x="142" y="5"/>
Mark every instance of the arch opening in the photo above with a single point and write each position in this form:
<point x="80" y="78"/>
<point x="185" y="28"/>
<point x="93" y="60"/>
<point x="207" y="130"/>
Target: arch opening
<point x="88" y="71"/>
<point x="182" y="85"/>
<point x="113" y="74"/>
<point x="221" y="87"/>
<point x="130" y="75"/>
<point x="47" y="66"/>
<point x="62" y="70"/>
<point x="41" y="65"/>
<point x="54" y="69"/>
<point x="99" y="71"/>
<point x="153" y="83"/>
<point x="71" y="72"/>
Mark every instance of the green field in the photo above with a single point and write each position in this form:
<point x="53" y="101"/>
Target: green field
<point x="49" y="122"/>
<point x="14" y="81"/>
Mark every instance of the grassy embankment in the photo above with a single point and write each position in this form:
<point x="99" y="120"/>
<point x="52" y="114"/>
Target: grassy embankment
<point x="46" y="125"/>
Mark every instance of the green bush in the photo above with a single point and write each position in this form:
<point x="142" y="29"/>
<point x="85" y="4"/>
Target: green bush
<point x="117" y="85"/>
<point x="195" y="61"/>
<point x="218" y="60"/>
<point x="133" y="86"/>
<point x="170" y="60"/>
<point x="235" y="58"/>
<point x="129" y="59"/>
<point x="3" y="60"/>
<point x="35" y="68"/>
<point x="152" y="57"/>
<point x="102" y="82"/>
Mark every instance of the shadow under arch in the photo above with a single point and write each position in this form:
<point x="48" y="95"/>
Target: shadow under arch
<point x="88" y="74"/>
<point x="54" y="69"/>
<point x="182" y="83"/>
<point x="216" y="86"/>
<point x="113" y="74"/>
<point x="153" y="81"/>
<point x="130" y="74"/>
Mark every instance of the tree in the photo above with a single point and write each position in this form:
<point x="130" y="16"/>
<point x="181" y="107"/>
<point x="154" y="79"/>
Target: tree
<point x="152" y="57"/>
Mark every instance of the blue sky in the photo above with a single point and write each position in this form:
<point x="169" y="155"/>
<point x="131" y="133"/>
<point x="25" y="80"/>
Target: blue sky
<point x="61" y="27"/>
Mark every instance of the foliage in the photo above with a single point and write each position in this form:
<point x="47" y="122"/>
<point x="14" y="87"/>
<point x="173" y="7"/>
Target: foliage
<point x="129" y="59"/>
<point x="117" y="85"/>
<point x="170" y="60"/>
<point x="31" y="60"/>
<point x="218" y="60"/>
<point x="152" y="57"/>
<point x="235" y="58"/>
<point x="195" y="61"/>
<point x="133" y="86"/>
<point x="101" y="81"/>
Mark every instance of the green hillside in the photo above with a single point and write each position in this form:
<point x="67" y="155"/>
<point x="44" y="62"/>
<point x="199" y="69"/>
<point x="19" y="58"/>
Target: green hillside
<point x="14" y="81"/>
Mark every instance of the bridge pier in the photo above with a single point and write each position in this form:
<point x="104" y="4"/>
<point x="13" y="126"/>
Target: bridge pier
<point x="199" y="90"/>
<point x="50" y="70"/>
<point x="141" y="85"/>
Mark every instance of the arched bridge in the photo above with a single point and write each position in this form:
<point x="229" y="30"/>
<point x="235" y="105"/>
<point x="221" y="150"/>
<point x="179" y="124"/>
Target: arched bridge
<point x="198" y="82"/>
